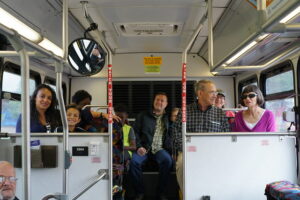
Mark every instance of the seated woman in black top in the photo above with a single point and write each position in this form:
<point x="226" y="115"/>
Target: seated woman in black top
<point x="44" y="116"/>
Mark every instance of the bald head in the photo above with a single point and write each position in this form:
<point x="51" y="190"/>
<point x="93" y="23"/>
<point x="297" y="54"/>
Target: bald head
<point x="7" y="184"/>
<point x="6" y="164"/>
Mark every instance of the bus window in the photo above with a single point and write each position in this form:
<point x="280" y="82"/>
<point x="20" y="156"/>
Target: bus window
<point x="138" y="95"/>
<point x="12" y="83"/>
<point x="279" y="92"/>
<point x="280" y="83"/>
<point x="11" y="110"/>
<point x="11" y="100"/>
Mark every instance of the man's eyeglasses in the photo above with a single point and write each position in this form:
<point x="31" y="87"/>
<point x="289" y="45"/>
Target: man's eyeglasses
<point x="252" y="95"/>
<point x="213" y="93"/>
<point x="8" y="178"/>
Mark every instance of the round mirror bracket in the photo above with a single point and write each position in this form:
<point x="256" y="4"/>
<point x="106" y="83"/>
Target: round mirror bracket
<point x="93" y="26"/>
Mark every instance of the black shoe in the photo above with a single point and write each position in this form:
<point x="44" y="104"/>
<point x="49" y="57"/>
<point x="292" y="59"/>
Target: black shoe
<point x="162" y="197"/>
<point x="139" y="197"/>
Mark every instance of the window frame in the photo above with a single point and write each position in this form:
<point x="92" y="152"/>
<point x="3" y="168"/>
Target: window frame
<point x="174" y="98"/>
<point x="15" y="69"/>
<point x="274" y="71"/>
<point x="297" y="124"/>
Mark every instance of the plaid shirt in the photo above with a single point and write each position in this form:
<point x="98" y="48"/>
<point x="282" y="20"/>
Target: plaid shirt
<point x="157" y="142"/>
<point x="211" y="120"/>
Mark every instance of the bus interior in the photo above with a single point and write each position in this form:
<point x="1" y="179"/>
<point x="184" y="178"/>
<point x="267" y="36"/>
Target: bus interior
<point x="144" y="47"/>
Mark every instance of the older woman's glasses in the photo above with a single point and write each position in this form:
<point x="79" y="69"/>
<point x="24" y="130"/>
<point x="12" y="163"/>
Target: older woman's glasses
<point x="8" y="178"/>
<point x="252" y="95"/>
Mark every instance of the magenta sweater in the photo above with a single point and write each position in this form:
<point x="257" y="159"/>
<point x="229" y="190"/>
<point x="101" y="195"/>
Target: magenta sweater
<point x="265" y="124"/>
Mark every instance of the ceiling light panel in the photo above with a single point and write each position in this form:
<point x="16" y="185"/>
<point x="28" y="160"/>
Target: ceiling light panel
<point x="13" y="23"/>
<point x="149" y="29"/>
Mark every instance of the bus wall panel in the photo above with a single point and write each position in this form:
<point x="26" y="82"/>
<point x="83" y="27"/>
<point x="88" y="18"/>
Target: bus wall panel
<point x="132" y="65"/>
<point x="224" y="170"/>
<point x="83" y="171"/>
<point x="97" y="87"/>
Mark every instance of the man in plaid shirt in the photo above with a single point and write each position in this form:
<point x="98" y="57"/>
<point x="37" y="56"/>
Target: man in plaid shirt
<point x="201" y="117"/>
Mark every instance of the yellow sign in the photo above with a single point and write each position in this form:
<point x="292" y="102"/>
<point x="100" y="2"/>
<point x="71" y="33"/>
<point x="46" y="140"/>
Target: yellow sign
<point x="152" y="65"/>
<point x="152" y="61"/>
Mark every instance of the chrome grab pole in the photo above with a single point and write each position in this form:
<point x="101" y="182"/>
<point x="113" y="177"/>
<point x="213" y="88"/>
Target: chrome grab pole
<point x="67" y="156"/>
<point x="210" y="35"/>
<point x="261" y="8"/>
<point x="110" y="121"/>
<point x="18" y="45"/>
<point x="183" y="95"/>
<point x="59" y="71"/>
<point x="110" y="98"/>
<point x="26" y="154"/>
<point x="65" y="30"/>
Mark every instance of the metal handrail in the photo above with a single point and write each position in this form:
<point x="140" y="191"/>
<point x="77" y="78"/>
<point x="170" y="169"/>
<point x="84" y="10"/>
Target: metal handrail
<point x="57" y="196"/>
<point x="94" y="106"/>
<point x="234" y="109"/>
<point x="242" y="134"/>
<point x="17" y="43"/>
<point x="101" y="173"/>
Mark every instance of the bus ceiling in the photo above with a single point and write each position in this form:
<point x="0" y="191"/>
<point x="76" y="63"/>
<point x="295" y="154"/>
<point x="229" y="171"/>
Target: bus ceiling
<point x="247" y="35"/>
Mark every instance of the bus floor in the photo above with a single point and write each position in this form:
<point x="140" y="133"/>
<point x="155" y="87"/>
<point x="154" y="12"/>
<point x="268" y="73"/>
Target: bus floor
<point x="150" y="183"/>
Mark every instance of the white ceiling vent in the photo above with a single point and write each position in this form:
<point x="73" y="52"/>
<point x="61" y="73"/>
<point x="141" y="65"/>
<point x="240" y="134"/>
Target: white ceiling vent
<point x="149" y="29"/>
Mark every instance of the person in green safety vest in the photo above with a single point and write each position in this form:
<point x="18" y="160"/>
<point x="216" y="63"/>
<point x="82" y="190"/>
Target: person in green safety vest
<point x="129" y="143"/>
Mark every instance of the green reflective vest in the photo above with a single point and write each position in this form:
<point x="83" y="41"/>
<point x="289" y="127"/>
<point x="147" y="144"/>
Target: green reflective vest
<point x="126" y="128"/>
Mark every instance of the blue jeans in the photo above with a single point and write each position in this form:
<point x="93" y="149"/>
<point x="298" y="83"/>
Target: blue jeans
<point x="164" y="161"/>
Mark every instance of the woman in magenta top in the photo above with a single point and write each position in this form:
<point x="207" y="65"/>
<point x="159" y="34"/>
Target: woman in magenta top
<point x="255" y="118"/>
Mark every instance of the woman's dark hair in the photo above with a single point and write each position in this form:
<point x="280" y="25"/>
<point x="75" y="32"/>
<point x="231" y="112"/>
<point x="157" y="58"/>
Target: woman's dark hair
<point x="255" y="89"/>
<point x="80" y="95"/>
<point x="52" y="114"/>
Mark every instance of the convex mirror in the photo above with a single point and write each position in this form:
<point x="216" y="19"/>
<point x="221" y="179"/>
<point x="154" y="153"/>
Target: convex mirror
<point x="86" y="56"/>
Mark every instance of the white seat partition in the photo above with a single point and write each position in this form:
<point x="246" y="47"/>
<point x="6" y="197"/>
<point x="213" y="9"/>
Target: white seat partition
<point x="237" y="166"/>
<point x="223" y="166"/>
<point x="83" y="171"/>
